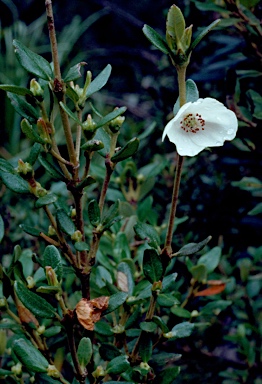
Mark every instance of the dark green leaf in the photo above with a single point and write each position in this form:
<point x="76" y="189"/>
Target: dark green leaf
<point x="167" y="300"/>
<point x="202" y="34"/>
<point x="127" y="151"/>
<point x="152" y="265"/>
<point x="30" y="133"/>
<point x="108" y="351"/>
<point x="23" y="108"/>
<point x="14" y="182"/>
<point x="53" y="259"/>
<point x="70" y="114"/>
<point x="104" y="137"/>
<point x="5" y="372"/>
<point x="115" y="301"/>
<point x="210" y="259"/>
<point x="84" y="352"/>
<point x="256" y="210"/>
<point x="35" y="303"/>
<point x="52" y="331"/>
<point x="93" y="145"/>
<point x="86" y="182"/>
<point x="2" y="228"/>
<point x="215" y="307"/>
<point x="199" y="273"/>
<point x="99" y="81"/>
<point x="32" y="62"/>
<point x="160" y="322"/>
<point x="148" y="326"/>
<point x="118" y="365"/>
<point x="156" y="39"/>
<point x="111" y="116"/>
<point x="45" y="379"/>
<point x="65" y="222"/>
<point x="48" y="289"/>
<point x="181" y="312"/>
<point x="71" y="93"/>
<point x="182" y="330"/>
<point x="248" y="184"/>
<point x="94" y="213"/>
<point x="110" y="215"/>
<point x="145" y="346"/>
<point x="103" y="328"/>
<point x="168" y="281"/>
<point x="147" y="232"/>
<point x="30" y="230"/>
<point x="50" y="198"/>
<point x="81" y="246"/>
<point x="5" y="166"/>
<point x="192" y="248"/>
<point x="15" y="89"/>
<point x="29" y="356"/>
<point x="74" y="72"/>
<point x="168" y="375"/>
<point x="34" y="153"/>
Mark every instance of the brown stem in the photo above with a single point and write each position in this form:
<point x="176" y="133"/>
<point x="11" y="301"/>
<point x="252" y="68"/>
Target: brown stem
<point x="53" y="41"/>
<point x="109" y="171"/>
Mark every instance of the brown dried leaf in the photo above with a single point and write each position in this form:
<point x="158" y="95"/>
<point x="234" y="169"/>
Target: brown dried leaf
<point x="25" y="315"/>
<point x="89" y="311"/>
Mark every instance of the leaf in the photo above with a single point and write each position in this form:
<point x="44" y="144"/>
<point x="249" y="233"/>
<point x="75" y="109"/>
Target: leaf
<point x="152" y="265"/>
<point x="64" y="222"/>
<point x="5" y="166"/>
<point x="192" y="95"/>
<point x="145" y="346"/>
<point x="35" y="303"/>
<point x="111" y="116"/>
<point x="14" y="182"/>
<point x="50" y="198"/>
<point x="110" y="216"/>
<point x="16" y="89"/>
<point x="256" y="210"/>
<point x="118" y="365"/>
<point x="127" y="151"/>
<point x="29" y="356"/>
<point x="192" y="248"/>
<point x="148" y="326"/>
<point x="202" y="34"/>
<point x="215" y="287"/>
<point x="74" y="72"/>
<point x="81" y="246"/>
<point x="160" y="322"/>
<point x="53" y="259"/>
<point x="199" y="273"/>
<point x="2" y="228"/>
<point x="99" y="81"/>
<point x="168" y="375"/>
<point x="248" y="184"/>
<point x="108" y="351"/>
<point x="30" y="230"/>
<point x="125" y="279"/>
<point x="50" y="168"/>
<point x="156" y="39"/>
<point x="23" y="108"/>
<point x="84" y="352"/>
<point x="181" y="312"/>
<point x="115" y="301"/>
<point x="32" y="62"/>
<point x="210" y="259"/>
<point x="167" y="300"/>
<point x="104" y="137"/>
<point x="175" y="25"/>
<point x="147" y="232"/>
<point x="94" y="213"/>
<point x="70" y="113"/>
<point x="215" y="307"/>
<point x="182" y="330"/>
<point x="30" y="133"/>
<point x="71" y="93"/>
<point x="34" y="153"/>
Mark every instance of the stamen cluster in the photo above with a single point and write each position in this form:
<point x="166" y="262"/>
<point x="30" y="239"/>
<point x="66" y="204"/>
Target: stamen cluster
<point x="193" y="123"/>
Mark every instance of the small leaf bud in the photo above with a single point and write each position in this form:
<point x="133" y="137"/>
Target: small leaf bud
<point x="76" y="236"/>
<point x="194" y="313"/>
<point x="145" y="366"/>
<point x="3" y="303"/>
<point x="51" y="231"/>
<point x="44" y="131"/>
<point x="24" y="168"/>
<point x="51" y="276"/>
<point x="89" y="127"/>
<point x="115" y="124"/>
<point x="93" y="145"/>
<point x="73" y="213"/>
<point x="52" y="371"/>
<point x="118" y="329"/>
<point x="168" y="335"/>
<point x="17" y="369"/>
<point x="157" y="286"/>
<point x="30" y="282"/>
<point x="36" y="89"/>
<point x="98" y="372"/>
<point x="37" y="189"/>
<point x="41" y="329"/>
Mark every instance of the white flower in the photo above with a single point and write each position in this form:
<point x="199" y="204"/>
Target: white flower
<point x="196" y="126"/>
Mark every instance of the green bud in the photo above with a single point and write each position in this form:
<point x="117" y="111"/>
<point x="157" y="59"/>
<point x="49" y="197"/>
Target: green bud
<point x="98" y="372"/>
<point x="145" y="366"/>
<point x="17" y="369"/>
<point x="157" y="286"/>
<point x="115" y="124"/>
<point x="93" y="145"/>
<point x="51" y="231"/>
<point x="36" y="89"/>
<point x="37" y="189"/>
<point x="52" y="371"/>
<point x="118" y="329"/>
<point x="30" y="282"/>
<point x="89" y="127"/>
<point x="25" y="169"/>
<point x="51" y="276"/>
<point x="40" y="330"/>
<point x="44" y="131"/>
<point x="3" y="303"/>
<point x="76" y="236"/>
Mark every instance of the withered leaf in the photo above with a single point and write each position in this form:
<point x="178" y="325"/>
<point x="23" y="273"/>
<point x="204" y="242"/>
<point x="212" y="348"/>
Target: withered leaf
<point x="89" y="311"/>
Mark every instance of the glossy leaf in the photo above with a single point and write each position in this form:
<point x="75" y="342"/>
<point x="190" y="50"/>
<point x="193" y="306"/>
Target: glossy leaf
<point x="74" y="72"/>
<point x="145" y="346"/>
<point x="34" y="153"/>
<point x="16" y="89"/>
<point x="152" y="265"/>
<point x="156" y="39"/>
<point x="50" y="198"/>
<point x="99" y="81"/>
<point x="94" y="213"/>
<point x="30" y="133"/>
<point x="175" y="25"/>
<point x="192" y="248"/>
<point x="108" y="351"/>
<point x="182" y="330"/>
<point x="84" y="352"/>
<point x="169" y="375"/>
<point x="64" y="222"/>
<point x="29" y="356"/>
<point x="115" y="301"/>
<point x="210" y="259"/>
<point x="199" y="273"/>
<point x="35" y="303"/>
<point x="14" y="182"/>
<point x="127" y="151"/>
<point x="147" y="232"/>
<point x="23" y="108"/>
<point x="53" y="259"/>
<point x="32" y="62"/>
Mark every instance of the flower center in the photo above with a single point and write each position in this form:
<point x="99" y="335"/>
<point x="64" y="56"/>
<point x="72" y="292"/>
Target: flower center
<point x="193" y="123"/>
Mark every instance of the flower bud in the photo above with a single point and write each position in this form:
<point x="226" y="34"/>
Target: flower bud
<point x="3" y="303"/>
<point x="37" y="189"/>
<point x="115" y="124"/>
<point x="93" y="145"/>
<point x="98" y="372"/>
<point x="73" y="213"/>
<point x="89" y="127"/>
<point x="17" y="369"/>
<point x="30" y="282"/>
<point x="51" y="231"/>
<point x="41" y="329"/>
<point x="76" y="236"/>
<point x="118" y="329"/>
<point x="25" y="169"/>
<point x="52" y="371"/>
<point x="44" y="131"/>
<point x="145" y="366"/>
<point x="51" y="276"/>
<point x="36" y="89"/>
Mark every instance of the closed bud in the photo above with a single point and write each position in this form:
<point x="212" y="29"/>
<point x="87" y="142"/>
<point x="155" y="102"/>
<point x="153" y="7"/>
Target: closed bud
<point x="98" y="372"/>
<point x="115" y="124"/>
<point x="36" y="89"/>
<point x="41" y="329"/>
<point x="3" y="303"/>
<point x="51" y="276"/>
<point x="44" y="130"/>
<point x="118" y="329"/>
<point x="89" y="127"/>
<point x="76" y="236"/>
<point x="37" y="189"/>
<point x="30" y="282"/>
<point x="73" y="213"/>
<point x="51" y="231"/>
<point x="93" y="145"/>
<point x="17" y="369"/>
<point x="157" y="286"/>
<point x="52" y="371"/>
<point x="25" y="169"/>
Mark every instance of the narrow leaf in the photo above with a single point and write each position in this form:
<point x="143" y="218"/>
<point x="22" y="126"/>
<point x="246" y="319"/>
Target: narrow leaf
<point x="28" y="130"/>
<point x="99" y="81"/>
<point x="16" y="89"/>
<point x="23" y="108"/>
<point x="50" y="168"/>
<point x="50" y="198"/>
<point x="14" y="182"/>
<point x="74" y="72"/>
<point x="34" y="153"/>
<point x="192" y="248"/>
<point x="53" y="259"/>
<point x="70" y="113"/>
<point x="182" y="330"/>
<point x="64" y="222"/>
<point x="145" y="346"/>
<point x="29" y="356"/>
<point x="155" y="39"/>
<point x="203" y="34"/>
<point x="152" y="265"/>
<point x="35" y="303"/>
<point x="30" y="230"/>
<point x="32" y="62"/>
<point x="2" y="228"/>
<point x="93" y="213"/>
<point x="127" y="151"/>
<point x="111" y="116"/>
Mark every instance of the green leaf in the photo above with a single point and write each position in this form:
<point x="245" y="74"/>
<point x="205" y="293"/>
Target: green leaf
<point x="156" y="39"/>
<point x="181" y="312"/>
<point x="29" y="356"/>
<point x="74" y="72"/>
<point x="125" y="279"/>
<point x="81" y="246"/>
<point x="147" y="232"/>
<point x="108" y="351"/>
<point x="192" y="248"/>
<point x="71" y="93"/>
<point x="5" y="372"/>
<point x="45" y="379"/>
<point x="30" y="133"/>
<point x="50" y="168"/>
<point x="152" y="265"/>
<point x="169" y="375"/>
<point x="30" y="230"/>
<point x="94" y="213"/>
<point x="210" y="259"/>
<point x="23" y="108"/>
<point x="15" y="89"/>
<point x="35" y="303"/>
<point x="118" y="365"/>
<point x="53" y="259"/>
<point x="110" y="216"/>
<point x="52" y="331"/>
<point x="34" y="153"/>
<point x="175" y="25"/>
<point x="2" y="228"/>
<point x="192" y="95"/>
<point x="5" y="166"/>
<point x="167" y="300"/>
<point x="32" y="62"/>
<point x="182" y="330"/>
<point x="99" y="81"/>
<point x="84" y="352"/>
<point x="127" y="151"/>
<point x="111" y="116"/>
<point x="248" y="184"/>
<point x="202" y="34"/>
<point x="14" y="182"/>
<point x="215" y="307"/>
<point x="168" y="281"/>
<point x="50" y="198"/>
<point x="256" y="210"/>
<point x="160" y="322"/>
<point x="65" y="222"/>
<point x="199" y="273"/>
<point x="145" y="346"/>
<point x="70" y="114"/>
<point x="115" y="301"/>
<point x="148" y="326"/>
<point x="104" y="137"/>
